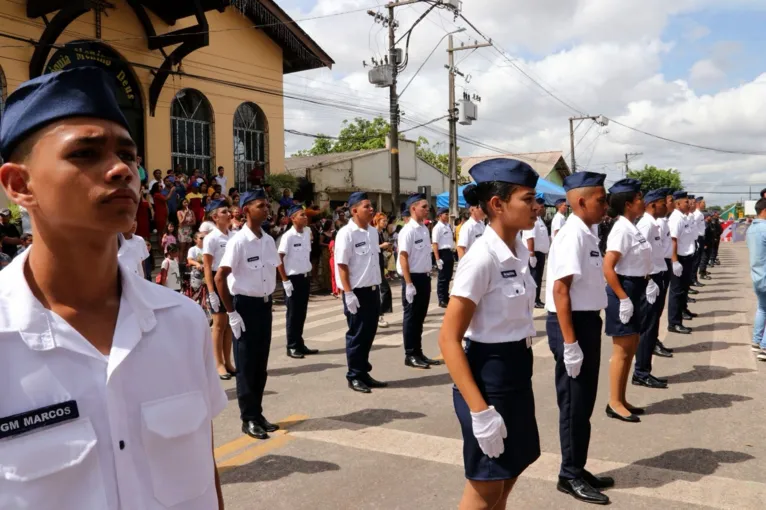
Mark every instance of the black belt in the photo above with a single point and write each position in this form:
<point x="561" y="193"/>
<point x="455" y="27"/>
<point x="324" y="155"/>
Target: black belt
<point x="634" y="278"/>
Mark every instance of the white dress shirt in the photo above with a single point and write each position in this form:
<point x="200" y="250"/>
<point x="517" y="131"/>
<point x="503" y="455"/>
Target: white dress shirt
<point x="253" y="263"/>
<point x="699" y="222"/>
<point x="681" y="230"/>
<point x="132" y="253"/>
<point x="667" y="241"/>
<point x="559" y="220"/>
<point x="635" y="251"/>
<point x="501" y="286"/>
<point x="221" y="181"/>
<point x="540" y="234"/>
<point x="296" y="247"/>
<point x="358" y="249"/>
<point x="214" y="244"/>
<point x="442" y="236"/>
<point x="470" y="232"/>
<point x="575" y="253"/>
<point x="143" y="436"/>
<point x="650" y="229"/>
<point x="414" y="241"/>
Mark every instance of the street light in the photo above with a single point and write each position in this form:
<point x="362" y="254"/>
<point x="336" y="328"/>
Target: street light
<point x="598" y="119"/>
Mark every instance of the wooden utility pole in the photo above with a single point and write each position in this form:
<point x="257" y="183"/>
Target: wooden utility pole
<point x="394" y="112"/>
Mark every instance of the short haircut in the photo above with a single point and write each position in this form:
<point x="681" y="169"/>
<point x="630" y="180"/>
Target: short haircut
<point x="760" y="205"/>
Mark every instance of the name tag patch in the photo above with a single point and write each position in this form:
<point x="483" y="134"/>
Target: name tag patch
<point x="509" y="274"/>
<point x="297" y="245"/>
<point x="359" y="245"/>
<point x="657" y="238"/>
<point x="254" y="259"/>
<point x="594" y="253"/>
<point x="38" y="418"/>
<point x="479" y="235"/>
<point x="418" y="241"/>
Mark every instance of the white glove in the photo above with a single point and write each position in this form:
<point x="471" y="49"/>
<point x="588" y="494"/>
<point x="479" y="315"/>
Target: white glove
<point x="573" y="358"/>
<point x="529" y="342"/>
<point x="409" y="293"/>
<point x="288" y="286"/>
<point x="678" y="269"/>
<point x="652" y="291"/>
<point x="489" y="430"/>
<point x="626" y="310"/>
<point x="352" y="302"/>
<point x="215" y="303"/>
<point x="533" y="261"/>
<point x="237" y="324"/>
<point x="440" y="264"/>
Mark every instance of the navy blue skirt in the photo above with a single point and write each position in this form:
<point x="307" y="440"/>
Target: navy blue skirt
<point x="503" y="373"/>
<point x="635" y="288"/>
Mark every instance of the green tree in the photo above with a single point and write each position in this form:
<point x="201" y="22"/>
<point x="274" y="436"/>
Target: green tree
<point x="652" y="177"/>
<point x="322" y="145"/>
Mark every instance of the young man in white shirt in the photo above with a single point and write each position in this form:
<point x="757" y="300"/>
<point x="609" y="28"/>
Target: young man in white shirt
<point x="443" y="244"/>
<point x="132" y="250"/>
<point x="683" y="236"/>
<point x="471" y="230"/>
<point x="295" y="270"/>
<point x="221" y="180"/>
<point x="699" y="223"/>
<point x="559" y="218"/>
<point x="109" y="386"/>
<point x="538" y="243"/>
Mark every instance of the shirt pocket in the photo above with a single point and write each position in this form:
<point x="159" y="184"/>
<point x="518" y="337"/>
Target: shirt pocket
<point x="515" y="291"/>
<point x="361" y="246"/>
<point x="255" y="262"/>
<point x="176" y="436"/>
<point x="57" y="467"/>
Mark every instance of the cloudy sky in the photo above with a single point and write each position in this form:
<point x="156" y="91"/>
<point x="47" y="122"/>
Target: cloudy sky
<point x="688" y="70"/>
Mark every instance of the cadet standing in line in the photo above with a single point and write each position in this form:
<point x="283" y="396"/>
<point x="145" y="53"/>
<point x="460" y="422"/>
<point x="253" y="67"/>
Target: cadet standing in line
<point x="108" y="383"/>
<point x="357" y="271"/>
<point x="471" y="230"/>
<point x="627" y="264"/>
<point x="649" y="227"/>
<point x="692" y="224"/>
<point x="414" y="266"/>
<point x="246" y="280"/>
<point x="538" y="243"/>
<point x="491" y="309"/>
<point x="707" y="247"/>
<point x="667" y="252"/>
<point x="699" y="225"/>
<point x="682" y="258"/>
<point x="574" y="298"/>
<point x="443" y="242"/>
<point x="559" y="219"/>
<point x="295" y="271"/>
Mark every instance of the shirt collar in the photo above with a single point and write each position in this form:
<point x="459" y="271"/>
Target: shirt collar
<point x="579" y="223"/>
<point x="501" y="249"/>
<point x="249" y="234"/>
<point x="353" y="226"/>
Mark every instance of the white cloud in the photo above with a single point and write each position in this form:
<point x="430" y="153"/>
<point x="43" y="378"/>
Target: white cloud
<point x="705" y="72"/>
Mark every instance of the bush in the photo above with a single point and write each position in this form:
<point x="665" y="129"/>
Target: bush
<point x="280" y="182"/>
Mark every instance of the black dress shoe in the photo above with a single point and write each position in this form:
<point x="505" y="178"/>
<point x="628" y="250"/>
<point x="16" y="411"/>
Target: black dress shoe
<point x="649" y="382"/>
<point x="266" y="425"/>
<point x="614" y="414"/>
<point x="663" y="353"/>
<point x="308" y="352"/>
<point x="415" y="362"/>
<point x="691" y="300"/>
<point x="539" y="305"/>
<point x="295" y="353"/>
<point x="225" y="377"/>
<point x="692" y="292"/>
<point x="664" y="346"/>
<point x="232" y="372"/>
<point x="373" y="383"/>
<point x="358" y="385"/>
<point x="442" y="304"/>
<point x="687" y="316"/>
<point x="692" y="313"/>
<point x="678" y="328"/>
<point x="696" y="283"/>
<point x="254" y="430"/>
<point x="582" y="490"/>
<point x="638" y="411"/>
<point x="706" y="277"/>
<point x="663" y="380"/>
<point x="598" y="482"/>
<point x="433" y="362"/>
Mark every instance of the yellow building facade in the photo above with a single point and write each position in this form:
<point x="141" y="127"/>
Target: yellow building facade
<point x="200" y="81"/>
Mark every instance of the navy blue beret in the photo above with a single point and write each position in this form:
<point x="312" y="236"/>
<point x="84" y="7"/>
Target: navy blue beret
<point x="413" y="199"/>
<point x="504" y="170"/>
<point x="249" y="196"/>
<point x="678" y="195"/>
<point x="405" y="210"/>
<point x="294" y="209"/>
<point x="654" y="195"/>
<point x="690" y="197"/>
<point x="442" y="210"/>
<point x="626" y="186"/>
<point x="700" y="198"/>
<point x="356" y="197"/>
<point x="76" y="92"/>
<point x="561" y="201"/>
<point x="583" y="180"/>
<point x="217" y="204"/>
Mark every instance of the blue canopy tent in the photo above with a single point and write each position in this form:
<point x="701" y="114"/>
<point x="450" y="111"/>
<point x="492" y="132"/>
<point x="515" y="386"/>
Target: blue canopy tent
<point x="551" y="192"/>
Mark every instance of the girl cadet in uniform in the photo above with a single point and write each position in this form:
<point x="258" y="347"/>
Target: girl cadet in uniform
<point x="471" y="230"/>
<point x="213" y="248"/>
<point x="491" y="309"/>
<point x="627" y="264"/>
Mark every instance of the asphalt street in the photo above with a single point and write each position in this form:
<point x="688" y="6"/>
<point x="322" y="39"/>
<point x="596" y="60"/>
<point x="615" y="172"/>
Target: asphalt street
<point x="700" y="444"/>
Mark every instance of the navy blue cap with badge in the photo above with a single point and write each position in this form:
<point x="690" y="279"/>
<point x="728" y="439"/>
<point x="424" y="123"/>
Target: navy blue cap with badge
<point x="356" y="197"/>
<point x="216" y="204"/>
<point x="654" y="195"/>
<point x="678" y="195"/>
<point x="294" y="209"/>
<point x="413" y="199"/>
<point x="76" y="92"/>
<point x="249" y="196"/>
<point x="690" y="197"/>
<point x="699" y="199"/>
<point x="626" y="186"/>
<point x="442" y="210"/>
<point x="561" y="201"/>
<point x="511" y="171"/>
<point x="583" y="180"/>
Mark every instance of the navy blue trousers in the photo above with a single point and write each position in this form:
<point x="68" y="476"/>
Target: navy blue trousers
<point x="679" y="291"/>
<point x="698" y="257"/>
<point x="576" y="397"/>
<point x="297" y="307"/>
<point x="362" y="327"/>
<point x="537" y="273"/>
<point x="445" y="275"/>
<point x="251" y="354"/>
<point x="415" y="313"/>
<point x="650" y="329"/>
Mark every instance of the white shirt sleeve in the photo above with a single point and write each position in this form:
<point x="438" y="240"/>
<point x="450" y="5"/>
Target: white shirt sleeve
<point x="465" y="232"/>
<point x="283" y="242"/>
<point x="472" y="278"/>
<point x="207" y="245"/>
<point x="143" y="251"/>
<point x="528" y="234"/>
<point x="343" y="247"/>
<point x="166" y="264"/>
<point x="645" y="228"/>
<point x="435" y="233"/>
<point x="675" y="226"/>
<point x="618" y="240"/>
<point x="229" y="258"/>
<point x="571" y="263"/>
<point x="406" y="240"/>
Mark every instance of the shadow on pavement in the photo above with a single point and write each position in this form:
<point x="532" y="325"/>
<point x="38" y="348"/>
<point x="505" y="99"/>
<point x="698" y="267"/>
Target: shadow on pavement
<point x="304" y="369"/>
<point x="270" y="468"/>
<point x="717" y="313"/>
<point x="692" y="402"/>
<point x="702" y="373"/>
<point x="342" y="350"/>
<point x="374" y="417"/>
<point x="704" y="347"/>
<point x="422" y="382"/>
<point x="687" y="464"/>
<point x="717" y="326"/>
<point x="231" y="393"/>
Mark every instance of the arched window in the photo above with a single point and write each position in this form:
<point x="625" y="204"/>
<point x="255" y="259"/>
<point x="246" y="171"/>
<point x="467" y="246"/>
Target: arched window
<point x="250" y="143"/>
<point x="191" y="121"/>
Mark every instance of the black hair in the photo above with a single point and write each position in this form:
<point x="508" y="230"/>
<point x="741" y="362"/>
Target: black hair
<point x="617" y="201"/>
<point x="155" y="188"/>
<point x="760" y="205"/>
<point x="763" y="191"/>
<point x="480" y="194"/>
<point x="172" y="247"/>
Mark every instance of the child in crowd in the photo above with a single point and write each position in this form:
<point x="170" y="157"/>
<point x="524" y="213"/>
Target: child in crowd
<point x="169" y="237"/>
<point x="170" y="275"/>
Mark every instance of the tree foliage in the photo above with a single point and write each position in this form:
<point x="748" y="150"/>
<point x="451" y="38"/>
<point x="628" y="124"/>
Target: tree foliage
<point x="652" y="177"/>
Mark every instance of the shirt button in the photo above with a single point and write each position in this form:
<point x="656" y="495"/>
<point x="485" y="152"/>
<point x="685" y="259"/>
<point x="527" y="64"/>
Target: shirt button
<point x="122" y="445"/>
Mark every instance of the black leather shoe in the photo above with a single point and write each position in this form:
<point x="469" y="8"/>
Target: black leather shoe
<point x="664" y="347"/>
<point x="295" y="353"/>
<point x="308" y="352"/>
<point x="692" y="313"/>
<point x="706" y="277"/>
<point x="663" y="380"/>
<point x="691" y="300"/>
<point x="254" y="430"/>
<point x="358" y="385"/>
<point x="373" y="383"/>
<point x="433" y="362"/>
<point x="598" y="482"/>
<point x="687" y="316"/>
<point x="614" y="414"/>
<point x="266" y="425"/>
<point x="649" y="382"/>
<point x="582" y="490"/>
<point x="663" y="353"/>
<point x="692" y="292"/>
<point x="539" y="305"/>
<point x="696" y="283"/>
<point x="638" y="411"/>
<point x="442" y="304"/>
<point x="415" y="362"/>
<point x="678" y="328"/>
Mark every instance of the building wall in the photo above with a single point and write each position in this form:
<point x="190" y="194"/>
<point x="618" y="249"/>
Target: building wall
<point x="236" y="53"/>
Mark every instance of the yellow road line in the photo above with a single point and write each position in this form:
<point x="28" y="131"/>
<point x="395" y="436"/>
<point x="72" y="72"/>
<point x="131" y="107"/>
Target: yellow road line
<point x="246" y="444"/>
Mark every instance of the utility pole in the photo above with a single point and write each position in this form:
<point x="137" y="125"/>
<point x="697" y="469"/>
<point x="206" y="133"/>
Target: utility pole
<point x="394" y="111"/>
<point x="572" y="144"/>
<point x="598" y="119"/>
<point x="627" y="160"/>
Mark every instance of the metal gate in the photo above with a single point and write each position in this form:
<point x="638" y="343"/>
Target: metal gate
<point x="191" y="122"/>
